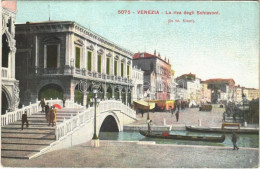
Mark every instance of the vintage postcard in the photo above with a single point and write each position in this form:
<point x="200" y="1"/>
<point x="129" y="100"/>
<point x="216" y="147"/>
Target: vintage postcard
<point x="130" y="84"/>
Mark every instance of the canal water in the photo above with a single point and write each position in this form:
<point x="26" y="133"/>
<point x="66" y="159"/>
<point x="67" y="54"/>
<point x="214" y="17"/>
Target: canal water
<point x="245" y="140"/>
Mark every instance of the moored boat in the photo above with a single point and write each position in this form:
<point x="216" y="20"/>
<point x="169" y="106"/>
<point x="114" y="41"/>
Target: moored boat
<point x="182" y="137"/>
<point x="219" y="130"/>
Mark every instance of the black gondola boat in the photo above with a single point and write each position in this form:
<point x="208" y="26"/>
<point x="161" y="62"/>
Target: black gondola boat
<point x="219" y="130"/>
<point x="181" y="137"/>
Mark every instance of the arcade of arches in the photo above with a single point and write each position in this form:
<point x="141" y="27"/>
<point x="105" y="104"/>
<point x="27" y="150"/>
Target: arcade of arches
<point x="50" y="91"/>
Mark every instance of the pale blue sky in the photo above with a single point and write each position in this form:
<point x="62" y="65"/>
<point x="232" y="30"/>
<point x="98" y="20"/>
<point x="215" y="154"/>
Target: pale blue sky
<point x="215" y="46"/>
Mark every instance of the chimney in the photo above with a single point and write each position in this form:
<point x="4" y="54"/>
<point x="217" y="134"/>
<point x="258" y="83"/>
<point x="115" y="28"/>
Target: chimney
<point x="159" y="55"/>
<point x="155" y="52"/>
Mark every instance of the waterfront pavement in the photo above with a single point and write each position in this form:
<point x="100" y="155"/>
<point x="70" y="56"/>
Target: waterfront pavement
<point x="119" y="154"/>
<point x="115" y="154"/>
<point x="189" y="116"/>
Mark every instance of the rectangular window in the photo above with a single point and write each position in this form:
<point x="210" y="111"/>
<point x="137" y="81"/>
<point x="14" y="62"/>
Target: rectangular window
<point x="52" y="56"/>
<point x="128" y="71"/>
<point x="99" y="63"/>
<point x="77" y="57"/>
<point x="122" y="69"/>
<point x="89" y="61"/>
<point x="108" y="66"/>
<point x="115" y="68"/>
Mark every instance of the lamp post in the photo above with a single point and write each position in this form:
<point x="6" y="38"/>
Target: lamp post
<point x="244" y="114"/>
<point x="95" y="140"/>
<point x="148" y="116"/>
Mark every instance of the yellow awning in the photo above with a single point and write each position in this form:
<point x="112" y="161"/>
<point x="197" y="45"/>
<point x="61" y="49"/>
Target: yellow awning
<point x="143" y="105"/>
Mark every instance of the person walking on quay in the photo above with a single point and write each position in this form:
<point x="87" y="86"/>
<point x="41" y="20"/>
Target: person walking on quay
<point x="42" y="103"/>
<point x="47" y="109"/>
<point x="177" y="115"/>
<point x="234" y="140"/>
<point x="63" y="101"/>
<point x="51" y="116"/>
<point x="25" y="120"/>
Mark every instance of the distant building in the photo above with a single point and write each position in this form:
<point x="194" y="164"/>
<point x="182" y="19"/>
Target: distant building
<point x="138" y="81"/>
<point x="238" y="94"/>
<point x="205" y="92"/>
<point x="153" y="63"/>
<point x="57" y="59"/>
<point x="10" y="86"/>
<point x="222" y="89"/>
<point x="192" y="84"/>
<point x="251" y="93"/>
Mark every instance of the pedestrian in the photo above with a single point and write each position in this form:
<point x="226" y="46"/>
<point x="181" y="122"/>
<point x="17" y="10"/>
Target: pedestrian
<point x="234" y="140"/>
<point x="42" y="103"/>
<point x="47" y="109"/>
<point x="177" y="115"/>
<point x="55" y="116"/>
<point x="63" y="101"/>
<point x="178" y="107"/>
<point x="51" y="116"/>
<point x="25" y="120"/>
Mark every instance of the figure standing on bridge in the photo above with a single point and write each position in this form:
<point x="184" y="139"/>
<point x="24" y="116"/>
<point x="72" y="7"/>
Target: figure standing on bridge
<point x="51" y="116"/>
<point x="25" y="120"/>
<point x="63" y="101"/>
<point x="234" y="140"/>
<point x="177" y="115"/>
<point x="42" y="103"/>
<point x="47" y="108"/>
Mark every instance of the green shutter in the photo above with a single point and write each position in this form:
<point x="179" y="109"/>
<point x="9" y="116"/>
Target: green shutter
<point x="77" y="57"/>
<point x="115" y="68"/>
<point x="128" y="70"/>
<point x="99" y="63"/>
<point x="89" y="61"/>
<point x="108" y="66"/>
<point x="122" y="69"/>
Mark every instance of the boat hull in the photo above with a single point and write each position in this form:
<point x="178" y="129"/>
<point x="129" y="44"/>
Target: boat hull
<point x="181" y="137"/>
<point x="219" y="130"/>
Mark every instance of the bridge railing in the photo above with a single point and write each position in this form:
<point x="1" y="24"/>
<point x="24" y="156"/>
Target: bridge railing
<point x="15" y="115"/>
<point x="65" y="128"/>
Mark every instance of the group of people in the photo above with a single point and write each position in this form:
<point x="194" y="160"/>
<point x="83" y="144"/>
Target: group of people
<point x="50" y="113"/>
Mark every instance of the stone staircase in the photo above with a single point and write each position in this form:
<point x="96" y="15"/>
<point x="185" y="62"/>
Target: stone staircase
<point x="37" y="138"/>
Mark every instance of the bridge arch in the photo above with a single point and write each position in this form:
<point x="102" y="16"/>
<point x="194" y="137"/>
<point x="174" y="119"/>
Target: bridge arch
<point x="109" y="121"/>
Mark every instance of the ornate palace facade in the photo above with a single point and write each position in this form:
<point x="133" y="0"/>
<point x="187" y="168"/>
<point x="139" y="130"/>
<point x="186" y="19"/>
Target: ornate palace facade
<point x="64" y="59"/>
<point x="161" y="86"/>
<point x="10" y="90"/>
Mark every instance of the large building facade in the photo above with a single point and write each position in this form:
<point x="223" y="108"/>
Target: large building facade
<point x="138" y="81"/>
<point x="161" y="68"/>
<point x="10" y="86"/>
<point x="222" y="90"/>
<point x="192" y="85"/>
<point x="65" y="60"/>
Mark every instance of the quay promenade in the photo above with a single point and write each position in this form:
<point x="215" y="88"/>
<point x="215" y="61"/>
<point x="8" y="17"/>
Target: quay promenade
<point x="131" y="154"/>
<point x="115" y="154"/>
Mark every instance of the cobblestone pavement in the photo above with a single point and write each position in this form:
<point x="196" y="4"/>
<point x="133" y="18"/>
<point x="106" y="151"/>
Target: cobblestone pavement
<point x="189" y="116"/>
<point x="112" y="154"/>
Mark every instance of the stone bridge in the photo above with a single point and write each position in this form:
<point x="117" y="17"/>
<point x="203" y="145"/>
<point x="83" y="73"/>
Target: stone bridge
<point x="75" y="125"/>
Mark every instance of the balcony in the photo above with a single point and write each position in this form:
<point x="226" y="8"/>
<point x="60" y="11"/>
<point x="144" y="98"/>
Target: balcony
<point x="82" y="73"/>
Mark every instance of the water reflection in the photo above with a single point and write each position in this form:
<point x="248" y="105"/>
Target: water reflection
<point x="245" y="140"/>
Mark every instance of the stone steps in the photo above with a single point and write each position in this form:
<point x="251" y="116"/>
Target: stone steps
<point x="26" y="143"/>
<point x="17" y="154"/>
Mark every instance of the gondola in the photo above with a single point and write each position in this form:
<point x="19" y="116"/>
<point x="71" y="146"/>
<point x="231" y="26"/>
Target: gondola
<point x="219" y="130"/>
<point x="181" y="137"/>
